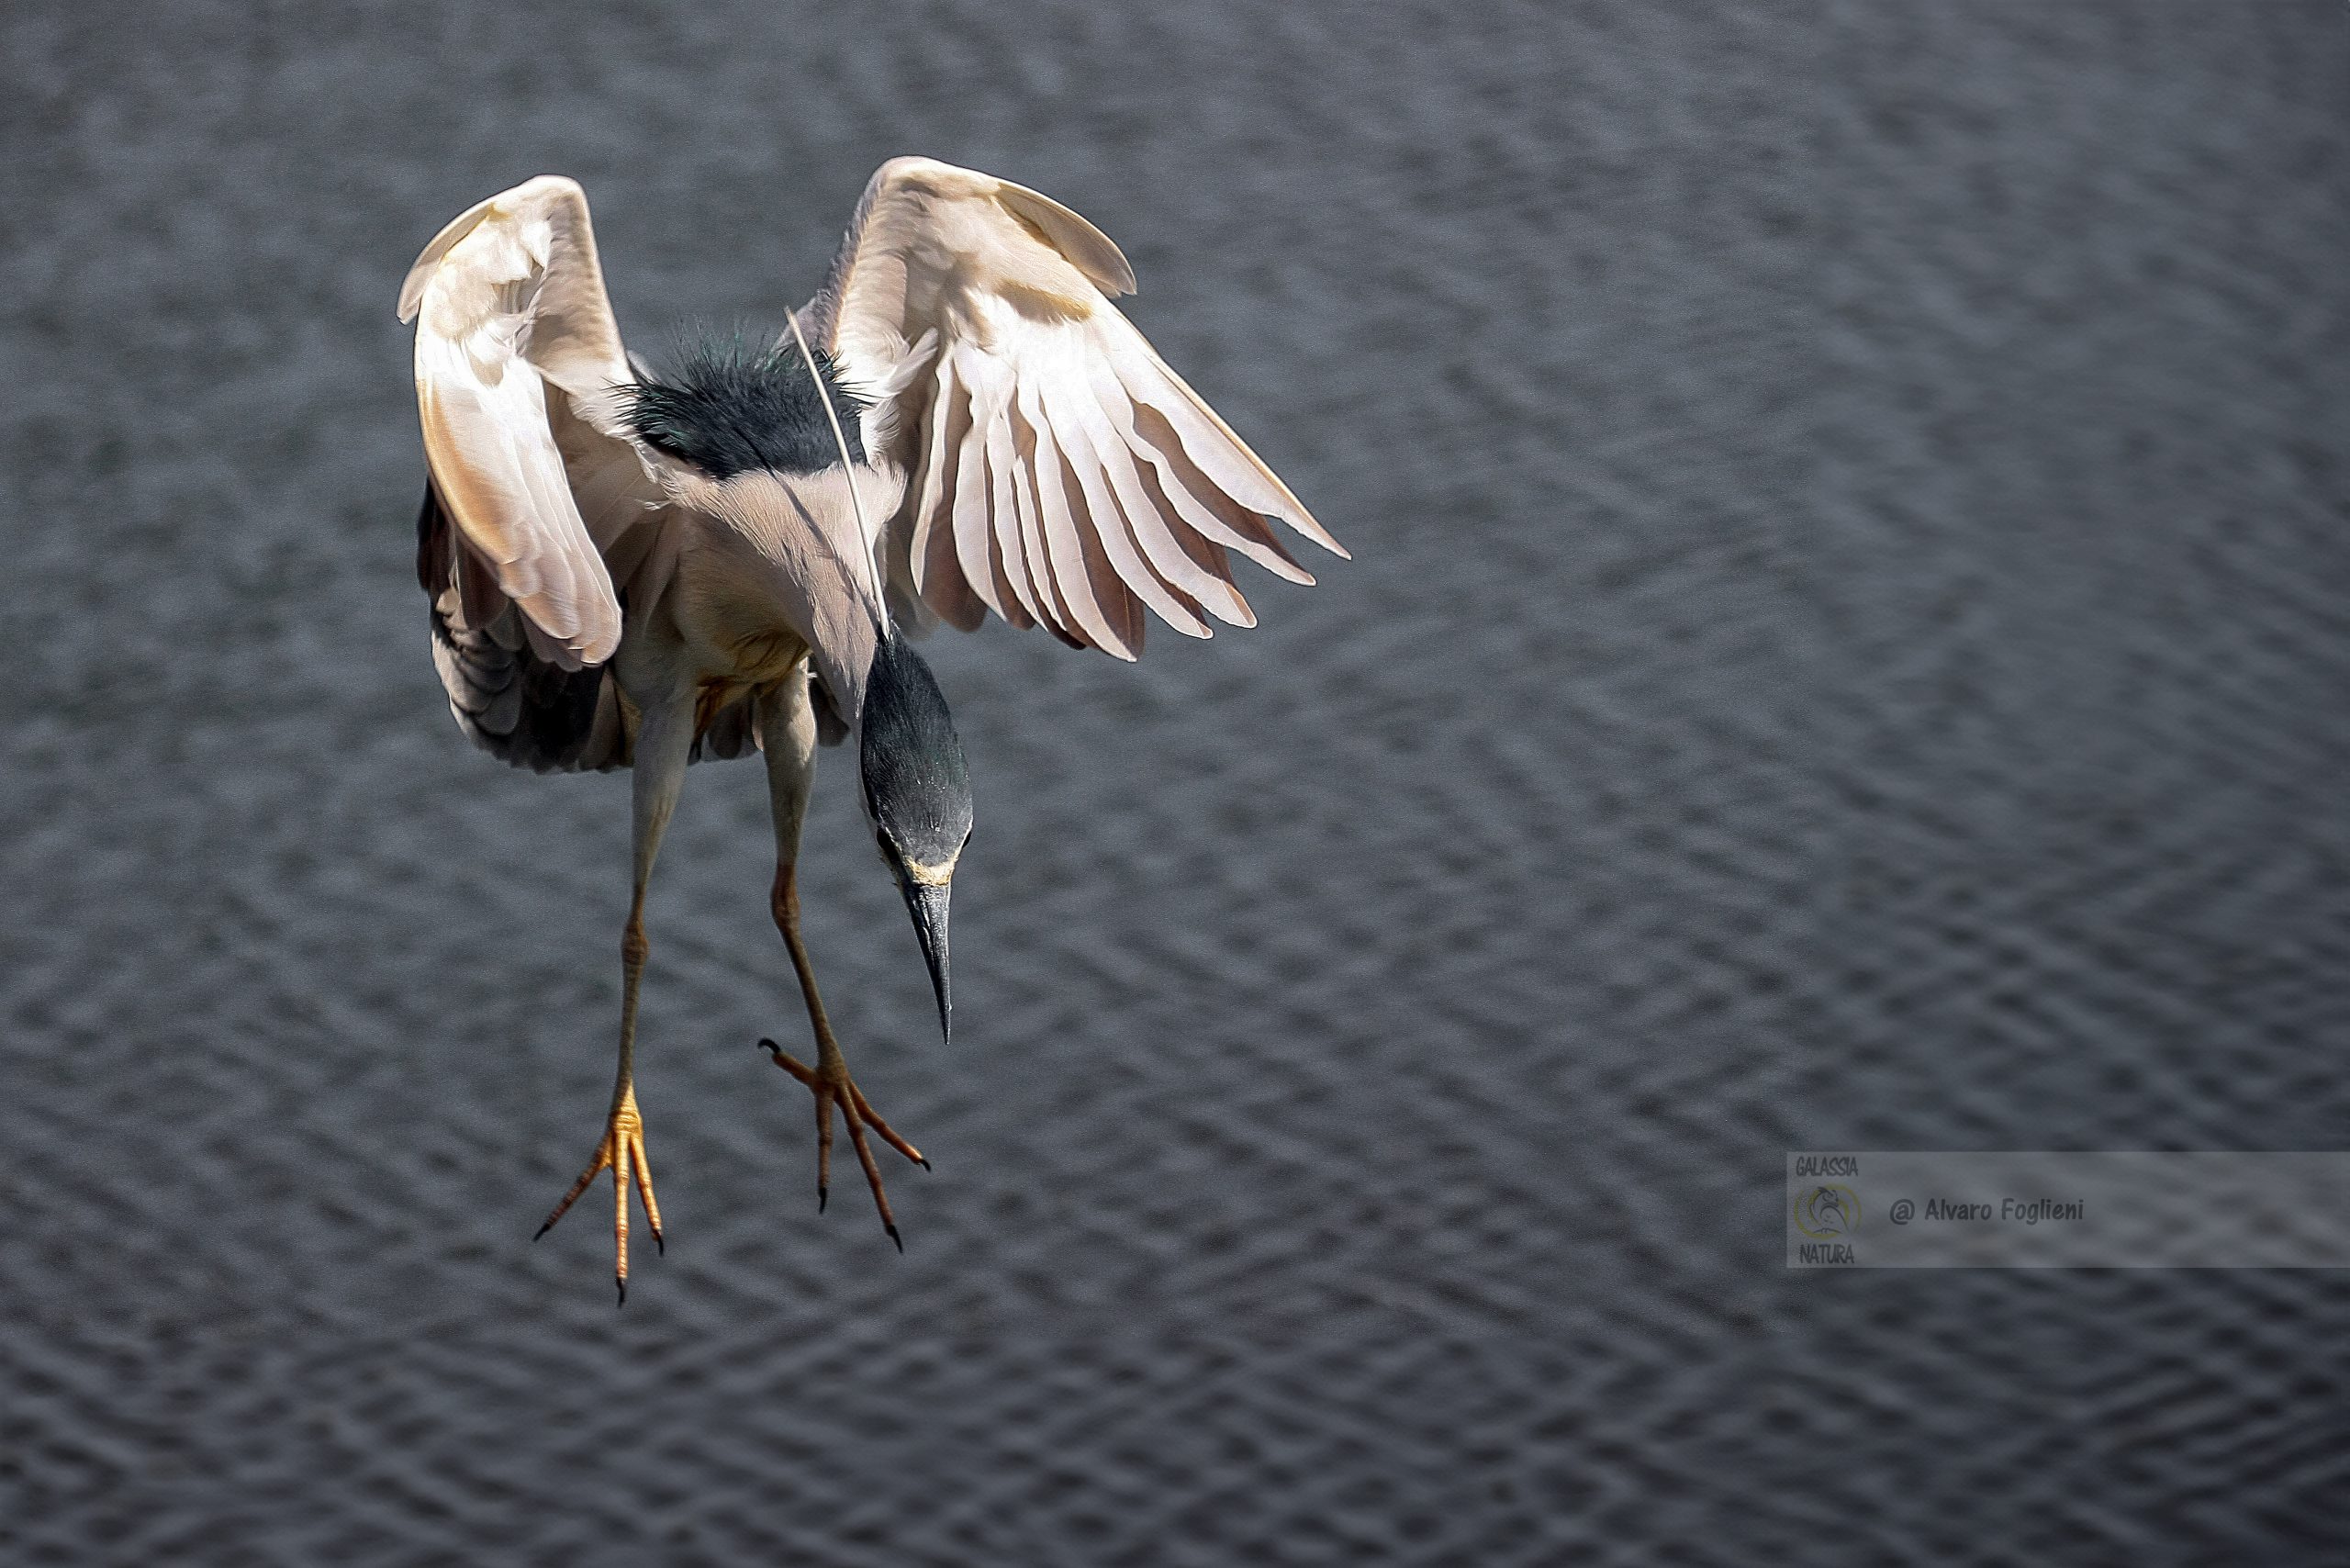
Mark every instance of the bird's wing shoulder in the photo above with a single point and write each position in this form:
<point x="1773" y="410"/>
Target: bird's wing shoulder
<point x="1060" y="473"/>
<point x="518" y="363"/>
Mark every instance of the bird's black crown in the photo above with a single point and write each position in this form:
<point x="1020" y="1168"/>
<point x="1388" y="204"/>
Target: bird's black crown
<point x="916" y="783"/>
<point x="732" y="405"/>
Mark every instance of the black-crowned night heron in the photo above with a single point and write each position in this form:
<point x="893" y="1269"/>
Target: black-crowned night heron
<point x="633" y="569"/>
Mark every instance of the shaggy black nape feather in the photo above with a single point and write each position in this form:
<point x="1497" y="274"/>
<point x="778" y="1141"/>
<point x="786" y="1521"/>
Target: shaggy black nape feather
<point x="733" y="405"/>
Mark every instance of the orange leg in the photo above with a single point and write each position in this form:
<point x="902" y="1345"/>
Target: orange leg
<point x="829" y="1080"/>
<point x="664" y="743"/>
<point x="622" y="1149"/>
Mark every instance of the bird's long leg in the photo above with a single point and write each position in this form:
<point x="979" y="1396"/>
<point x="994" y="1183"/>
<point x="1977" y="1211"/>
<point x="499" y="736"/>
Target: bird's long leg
<point x="787" y="734"/>
<point x="664" y="741"/>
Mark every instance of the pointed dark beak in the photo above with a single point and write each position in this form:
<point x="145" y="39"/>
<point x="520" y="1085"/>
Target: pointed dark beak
<point x="927" y="903"/>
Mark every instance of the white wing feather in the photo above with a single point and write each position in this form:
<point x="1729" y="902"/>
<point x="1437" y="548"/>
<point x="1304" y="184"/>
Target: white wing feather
<point x="1060" y="473"/>
<point x="516" y="354"/>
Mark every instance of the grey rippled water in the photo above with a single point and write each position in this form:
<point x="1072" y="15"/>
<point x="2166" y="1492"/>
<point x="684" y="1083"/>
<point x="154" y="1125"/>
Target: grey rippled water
<point x="1846" y="646"/>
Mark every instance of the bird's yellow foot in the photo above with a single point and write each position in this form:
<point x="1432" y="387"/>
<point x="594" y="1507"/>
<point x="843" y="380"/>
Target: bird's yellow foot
<point x="621" y="1153"/>
<point x="830" y="1083"/>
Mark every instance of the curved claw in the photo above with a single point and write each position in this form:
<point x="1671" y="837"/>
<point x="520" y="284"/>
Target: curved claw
<point x="831" y="1085"/>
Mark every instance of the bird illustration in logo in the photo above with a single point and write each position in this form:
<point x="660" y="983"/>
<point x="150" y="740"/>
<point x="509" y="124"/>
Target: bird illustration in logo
<point x="1828" y="1211"/>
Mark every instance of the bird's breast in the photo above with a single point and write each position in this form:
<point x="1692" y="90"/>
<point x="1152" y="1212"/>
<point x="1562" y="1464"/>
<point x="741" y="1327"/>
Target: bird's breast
<point x="773" y="570"/>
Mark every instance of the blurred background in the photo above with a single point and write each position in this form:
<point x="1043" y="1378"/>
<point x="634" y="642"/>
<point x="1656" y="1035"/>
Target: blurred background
<point x="1846" y="646"/>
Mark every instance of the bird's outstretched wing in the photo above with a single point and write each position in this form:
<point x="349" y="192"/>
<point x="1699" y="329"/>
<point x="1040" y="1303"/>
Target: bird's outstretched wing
<point x="1060" y="473"/>
<point x="517" y="356"/>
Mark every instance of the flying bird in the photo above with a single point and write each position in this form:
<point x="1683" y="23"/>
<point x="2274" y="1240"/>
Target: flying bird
<point x="632" y="568"/>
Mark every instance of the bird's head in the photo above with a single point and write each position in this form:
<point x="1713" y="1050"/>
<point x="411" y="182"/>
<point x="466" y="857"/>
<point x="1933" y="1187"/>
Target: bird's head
<point x="917" y="792"/>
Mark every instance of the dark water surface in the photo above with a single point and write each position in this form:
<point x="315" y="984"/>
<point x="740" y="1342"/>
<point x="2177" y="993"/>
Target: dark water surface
<point x="1847" y="645"/>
